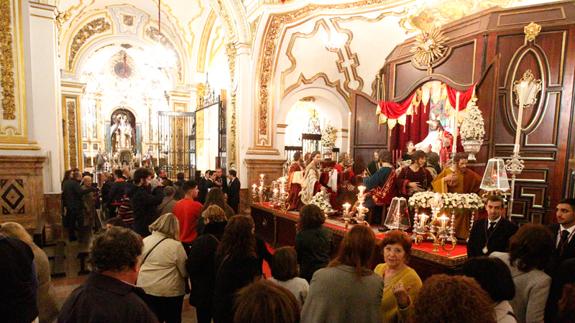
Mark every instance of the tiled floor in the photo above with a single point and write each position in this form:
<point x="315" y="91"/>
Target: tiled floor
<point x="71" y="266"/>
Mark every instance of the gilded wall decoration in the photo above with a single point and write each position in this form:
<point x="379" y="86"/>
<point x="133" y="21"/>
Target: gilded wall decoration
<point x="267" y="54"/>
<point x="94" y="27"/>
<point x="531" y="31"/>
<point x="231" y="52"/>
<point x="72" y="137"/>
<point x="429" y="47"/>
<point x="13" y="121"/>
<point x="6" y="62"/>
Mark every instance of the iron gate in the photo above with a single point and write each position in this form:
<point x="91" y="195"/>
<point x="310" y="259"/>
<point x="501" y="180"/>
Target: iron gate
<point x="177" y="143"/>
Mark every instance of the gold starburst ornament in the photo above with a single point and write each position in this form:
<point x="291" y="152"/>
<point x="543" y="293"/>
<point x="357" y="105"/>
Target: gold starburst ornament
<point x="429" y="48"/>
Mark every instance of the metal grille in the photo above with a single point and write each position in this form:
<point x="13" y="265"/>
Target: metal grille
<point x="177" y="143"/>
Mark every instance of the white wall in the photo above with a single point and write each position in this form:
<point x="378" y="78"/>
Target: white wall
<point x="45" y="113"/>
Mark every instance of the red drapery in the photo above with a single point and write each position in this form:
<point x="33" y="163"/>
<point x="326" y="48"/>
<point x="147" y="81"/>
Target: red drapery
<point x="464" y="97"/>
<point x="416" y="127"/>
<point x="394" y="110"/>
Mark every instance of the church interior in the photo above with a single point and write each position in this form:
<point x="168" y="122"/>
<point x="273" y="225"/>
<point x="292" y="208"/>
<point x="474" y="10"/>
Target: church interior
<point x="441" y="128"/>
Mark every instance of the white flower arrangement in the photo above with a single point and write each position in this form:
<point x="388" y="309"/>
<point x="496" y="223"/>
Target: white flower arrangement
<point x="328" y="136"/>
<point x="426" y="200"/>
<point x="321" y="199"/>
<point x="473" y="126"/>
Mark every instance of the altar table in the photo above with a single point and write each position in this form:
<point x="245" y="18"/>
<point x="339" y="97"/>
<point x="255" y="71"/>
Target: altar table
<point x="278" y="228"/>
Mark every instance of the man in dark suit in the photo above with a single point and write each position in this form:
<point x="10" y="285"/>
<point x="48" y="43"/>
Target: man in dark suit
<point x="234" y="191"/>
<point x="562" y="260"/>
<point x="221" y="180"/>
<point x="493" y="233"/>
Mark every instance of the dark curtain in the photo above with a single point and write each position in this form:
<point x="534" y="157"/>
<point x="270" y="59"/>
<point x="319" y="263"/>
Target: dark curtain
<point x="415" y="129"/>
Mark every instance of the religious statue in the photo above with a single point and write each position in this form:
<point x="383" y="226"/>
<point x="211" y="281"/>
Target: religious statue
<point x="310" y="184"/>
<point x="123" y="131"/>
<point x="438" y="140"/>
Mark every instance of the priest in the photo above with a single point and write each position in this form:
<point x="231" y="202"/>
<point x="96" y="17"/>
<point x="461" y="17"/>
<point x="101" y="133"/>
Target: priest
<point x="457" y="178"/>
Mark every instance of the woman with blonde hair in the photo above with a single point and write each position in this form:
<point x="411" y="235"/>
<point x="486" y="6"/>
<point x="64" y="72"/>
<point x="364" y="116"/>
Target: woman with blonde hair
<point x="163" y="269"/>
<point x="47" y="305"/>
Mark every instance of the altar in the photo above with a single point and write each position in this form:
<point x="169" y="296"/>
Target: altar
<point x="279" y="228"/>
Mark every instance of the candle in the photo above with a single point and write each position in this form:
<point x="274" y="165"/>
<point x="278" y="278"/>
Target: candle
<point x="361" y="189"/>
<point x="254" y="186"/>
<point x="443" y="220"/>
<point x="422" y="219"/>
<point x="346" y="209"/>
<point x="262" y="176"/>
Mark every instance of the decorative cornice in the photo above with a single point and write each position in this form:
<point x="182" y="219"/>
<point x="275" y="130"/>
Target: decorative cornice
<point x="94" y="27"/>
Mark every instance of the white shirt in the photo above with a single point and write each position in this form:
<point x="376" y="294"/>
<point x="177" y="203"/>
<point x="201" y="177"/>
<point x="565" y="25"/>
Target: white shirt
<point x="297" y="286"/>
<point x="571" y="231"/>
<point x="164" y="271"/>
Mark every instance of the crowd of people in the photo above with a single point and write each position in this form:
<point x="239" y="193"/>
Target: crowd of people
<point x="138" y="197"/>
<point x="145" y="280"/>
<point x="162" y="240"/>
<point x="383" y="177"/>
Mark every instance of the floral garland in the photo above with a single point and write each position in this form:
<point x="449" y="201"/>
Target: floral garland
<point x="473" y="126"/>
<point x="426" y="200"/>
<point x="328" y="136"/>
<point x="321" y="199"/>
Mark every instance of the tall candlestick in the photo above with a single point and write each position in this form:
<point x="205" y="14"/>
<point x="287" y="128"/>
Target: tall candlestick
<point x="455" y="131"/>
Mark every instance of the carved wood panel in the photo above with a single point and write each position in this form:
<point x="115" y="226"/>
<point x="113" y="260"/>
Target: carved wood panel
<point x="367" y="135"/>
<point x="495" y="55"/>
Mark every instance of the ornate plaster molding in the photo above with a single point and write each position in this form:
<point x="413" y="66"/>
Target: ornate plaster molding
<point x="267" y="57"/>
<point x="89" y="30"/>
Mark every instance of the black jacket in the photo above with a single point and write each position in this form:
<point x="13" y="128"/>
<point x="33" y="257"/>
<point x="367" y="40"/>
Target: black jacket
<point x="234" y="193"/>
<point x="200" y="264"/>
<point x="107" y="300"/>
<point x="313" y="248"/>
<point x="568" y="251"/>
<point x="498" y="241"/>
<point x="72" y="194"/>
<point x="144" y="205"/>
<point x="18" y="282"/>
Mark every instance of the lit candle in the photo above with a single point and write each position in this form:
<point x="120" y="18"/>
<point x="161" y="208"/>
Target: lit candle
<point x="361" y="189"/>
<point x="422" y="219"/>
<point x="443" y="220"/>
<point x="262" y="176"/>
<point x="346" y="208"/>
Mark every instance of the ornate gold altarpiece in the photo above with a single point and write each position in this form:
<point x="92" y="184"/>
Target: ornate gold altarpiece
<point x="21" y="189"/>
